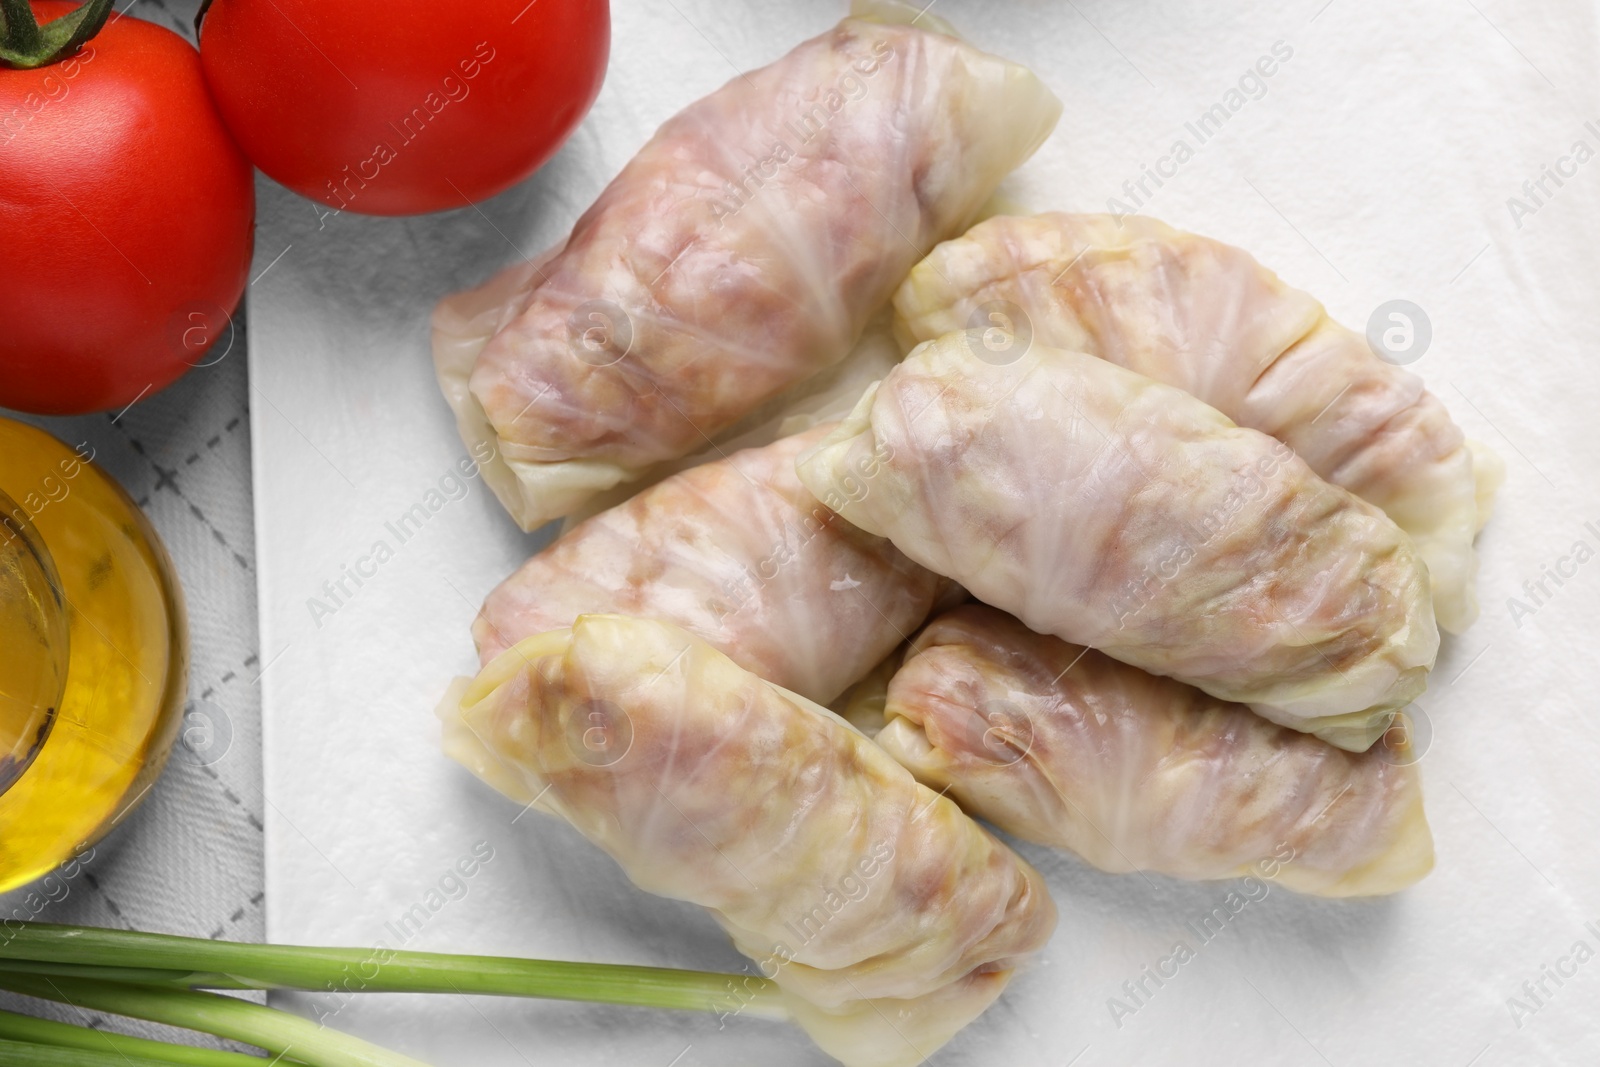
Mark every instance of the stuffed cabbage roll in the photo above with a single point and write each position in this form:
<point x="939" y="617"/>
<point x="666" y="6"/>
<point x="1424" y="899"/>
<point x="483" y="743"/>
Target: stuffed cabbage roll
<point x="740" y="252"/>
<point x="739" y="553"/>
<point x="889" y="917"/>
<point x="1122" y="514"/>
<point x="1209" y="319"/>
<point x="1064" y="746"/>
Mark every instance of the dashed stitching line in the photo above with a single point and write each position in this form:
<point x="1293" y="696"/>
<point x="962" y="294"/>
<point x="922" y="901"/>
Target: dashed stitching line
<point x="251" y="817"/>
<point x="166" y="477"/>
<point x="249" y="661"/>
<point x="216" y="439"/>
<point x="94" y="883"/>
<point x="255" y="902"/>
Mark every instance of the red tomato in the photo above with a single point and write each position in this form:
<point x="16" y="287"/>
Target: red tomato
<point x="398" y="107"/>
<point x="126" y="212"/>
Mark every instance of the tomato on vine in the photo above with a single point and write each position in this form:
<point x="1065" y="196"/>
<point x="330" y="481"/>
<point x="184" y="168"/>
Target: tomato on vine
<point x="126" y="209"/>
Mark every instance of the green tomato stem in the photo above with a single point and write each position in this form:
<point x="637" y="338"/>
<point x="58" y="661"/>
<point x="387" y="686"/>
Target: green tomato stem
<point x="24" y="44"/>
<point x="21" y="28"/>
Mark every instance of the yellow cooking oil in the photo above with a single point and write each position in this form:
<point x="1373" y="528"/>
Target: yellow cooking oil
<point x="93" y="653"/>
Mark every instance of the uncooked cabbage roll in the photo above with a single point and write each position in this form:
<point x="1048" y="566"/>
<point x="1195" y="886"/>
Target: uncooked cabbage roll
<point x="738" y="552"/>
<point x="1209" y="319"/>
<point x="1122" y="514"/>
<point x="1064" y="746"/>
<point x="740" y="252"/>
<point x="889" y="917"/>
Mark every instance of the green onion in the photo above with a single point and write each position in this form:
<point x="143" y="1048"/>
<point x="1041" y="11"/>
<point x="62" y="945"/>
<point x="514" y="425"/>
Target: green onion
<point x="155" y="977"/>
<point x="162" y="959"/>
<point x="15" y="1028"/>
<point x="125" y="975"/>
<point x="20" y="1054"/>
<point x="276" y="1031"/>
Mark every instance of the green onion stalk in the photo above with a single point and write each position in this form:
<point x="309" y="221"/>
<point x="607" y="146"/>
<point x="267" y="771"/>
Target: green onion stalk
<point x="21" y="1054"/>
<point x="27" y="1040"/>
<point x="162" y="978"/>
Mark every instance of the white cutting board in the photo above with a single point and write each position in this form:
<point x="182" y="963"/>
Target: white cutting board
<point x="1376" y="165"/>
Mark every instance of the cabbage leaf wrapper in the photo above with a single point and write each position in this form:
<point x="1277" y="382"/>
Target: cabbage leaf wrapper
<point x="887" y="916"/>
<point x="741" y="554"/>
<point x="1061" y="745"/>
<point x="741" y="252"/>
<point x="1206" y="317"/>
<point x="1119" y="513"/>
